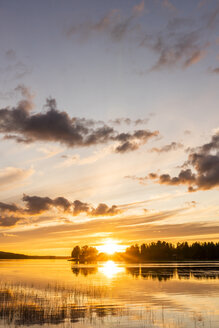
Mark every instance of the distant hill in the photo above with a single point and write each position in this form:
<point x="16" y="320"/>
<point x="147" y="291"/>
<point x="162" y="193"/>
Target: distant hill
<point x="7" y="255"/>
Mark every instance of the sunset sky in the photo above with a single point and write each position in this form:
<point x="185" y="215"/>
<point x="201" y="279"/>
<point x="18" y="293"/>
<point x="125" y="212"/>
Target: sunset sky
<point x="109" y="123"/>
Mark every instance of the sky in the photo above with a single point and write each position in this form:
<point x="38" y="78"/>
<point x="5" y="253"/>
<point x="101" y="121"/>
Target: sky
<point x="109" y="125"/>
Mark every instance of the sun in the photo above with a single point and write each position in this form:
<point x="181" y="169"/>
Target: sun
<point x="110" y="247"/>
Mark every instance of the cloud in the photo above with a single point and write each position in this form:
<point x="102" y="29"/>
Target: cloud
<point x="9" y="176"/>
<point x="193" y="203"/>
<point x="105" y="210"/>
<point x="195" y="57"/>
<point x="11" y="214"/>
<point x="15" y="70"/>
<point x="138" y="9"/>
<point x="172" y="146"/>
<point x="49" y="152"/>
<point x="177" y="48"/>
<point x="131" y="142"/>
<point x="163" y="231"/>
<point x="19" y="124"/>
<point x="10" y="54"/>
<point x="181" y="42"/>
<point x="215" y="70"/>
<point x="80" y="207"/>
<point x="101" y="210"/>
<point x="200" y="171"/>
<point x="27" y="103"/>
<point x="202" y="3"/>
<point x="128" y="121"/>
<point x="161" y="224"/>
<point x="167" y="4"/>
<point x="113" y="24"/>
<point x="9" y="221"/>
<point x="77" y="160"/>
<point x="141" y="180"/>
<point x="213" y="18"/>
<point x="8" y="207"/>
<point x="37" y="205"/>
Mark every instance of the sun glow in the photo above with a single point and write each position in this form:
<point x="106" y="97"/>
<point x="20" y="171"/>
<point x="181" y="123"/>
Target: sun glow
<point x="110" y="247"/>
<point x="110" y="269"/>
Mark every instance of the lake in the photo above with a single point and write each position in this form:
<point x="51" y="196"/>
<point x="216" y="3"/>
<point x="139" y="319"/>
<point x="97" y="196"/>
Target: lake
<point x="58" y="293"/>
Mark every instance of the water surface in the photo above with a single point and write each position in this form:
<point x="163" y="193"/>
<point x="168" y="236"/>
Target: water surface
<point x="57" y="293"/>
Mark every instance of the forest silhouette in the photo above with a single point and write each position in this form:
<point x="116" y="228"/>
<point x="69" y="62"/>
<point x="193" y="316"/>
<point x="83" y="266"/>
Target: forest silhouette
<point x="155" y="251"/>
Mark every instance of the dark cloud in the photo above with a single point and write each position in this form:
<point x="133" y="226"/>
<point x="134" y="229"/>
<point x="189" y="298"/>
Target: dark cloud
<point x="126" y="147"/>
<point x="184" y="177"/>
<point x="37" y="205"/>
<point x="105" y="210"/>
<point x="203" y="171"/>
<point x="130" y="142"/>
<point x="10" y="214"/>
<point x="8" y="221"/>
<point x="8" y="207"/>
<point x="167" y="148"/>
<point x="101" y="210"/>
<point x="52" y="125"/>
<point x="80" y="207"/>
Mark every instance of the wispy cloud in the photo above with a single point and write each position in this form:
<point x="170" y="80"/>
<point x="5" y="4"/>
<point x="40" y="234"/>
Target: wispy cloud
<point x="129" y="121"/>
<point x="10" y="177"/>
<point x="181" y="42"/>
<point x="139" y="8"/>
<point x="78" y="160"/>
<point x="16" y="69"/>
<point x="167" y="148"/>
<point x="169" y="5"/>
<point x="113" y="24"/>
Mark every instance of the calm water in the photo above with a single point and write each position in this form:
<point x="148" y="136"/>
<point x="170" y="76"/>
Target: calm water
<point x="56" y="293"/>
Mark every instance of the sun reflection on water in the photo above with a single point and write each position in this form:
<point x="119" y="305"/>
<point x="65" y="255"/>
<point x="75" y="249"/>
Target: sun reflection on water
<point x="110" y="269"/>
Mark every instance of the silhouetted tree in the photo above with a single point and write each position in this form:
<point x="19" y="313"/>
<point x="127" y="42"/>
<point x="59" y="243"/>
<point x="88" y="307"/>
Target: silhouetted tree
<point x="84" y="254"/>
<point x="76" y="252"/>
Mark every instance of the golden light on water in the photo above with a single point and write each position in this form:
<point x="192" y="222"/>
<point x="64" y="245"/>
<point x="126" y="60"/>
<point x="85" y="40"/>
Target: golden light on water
<point x="111" y="269"/>
<point x="111" y="246"/>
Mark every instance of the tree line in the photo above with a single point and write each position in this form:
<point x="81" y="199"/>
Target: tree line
<point x="164" y="251"/>
<point x="155" y="251"/>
